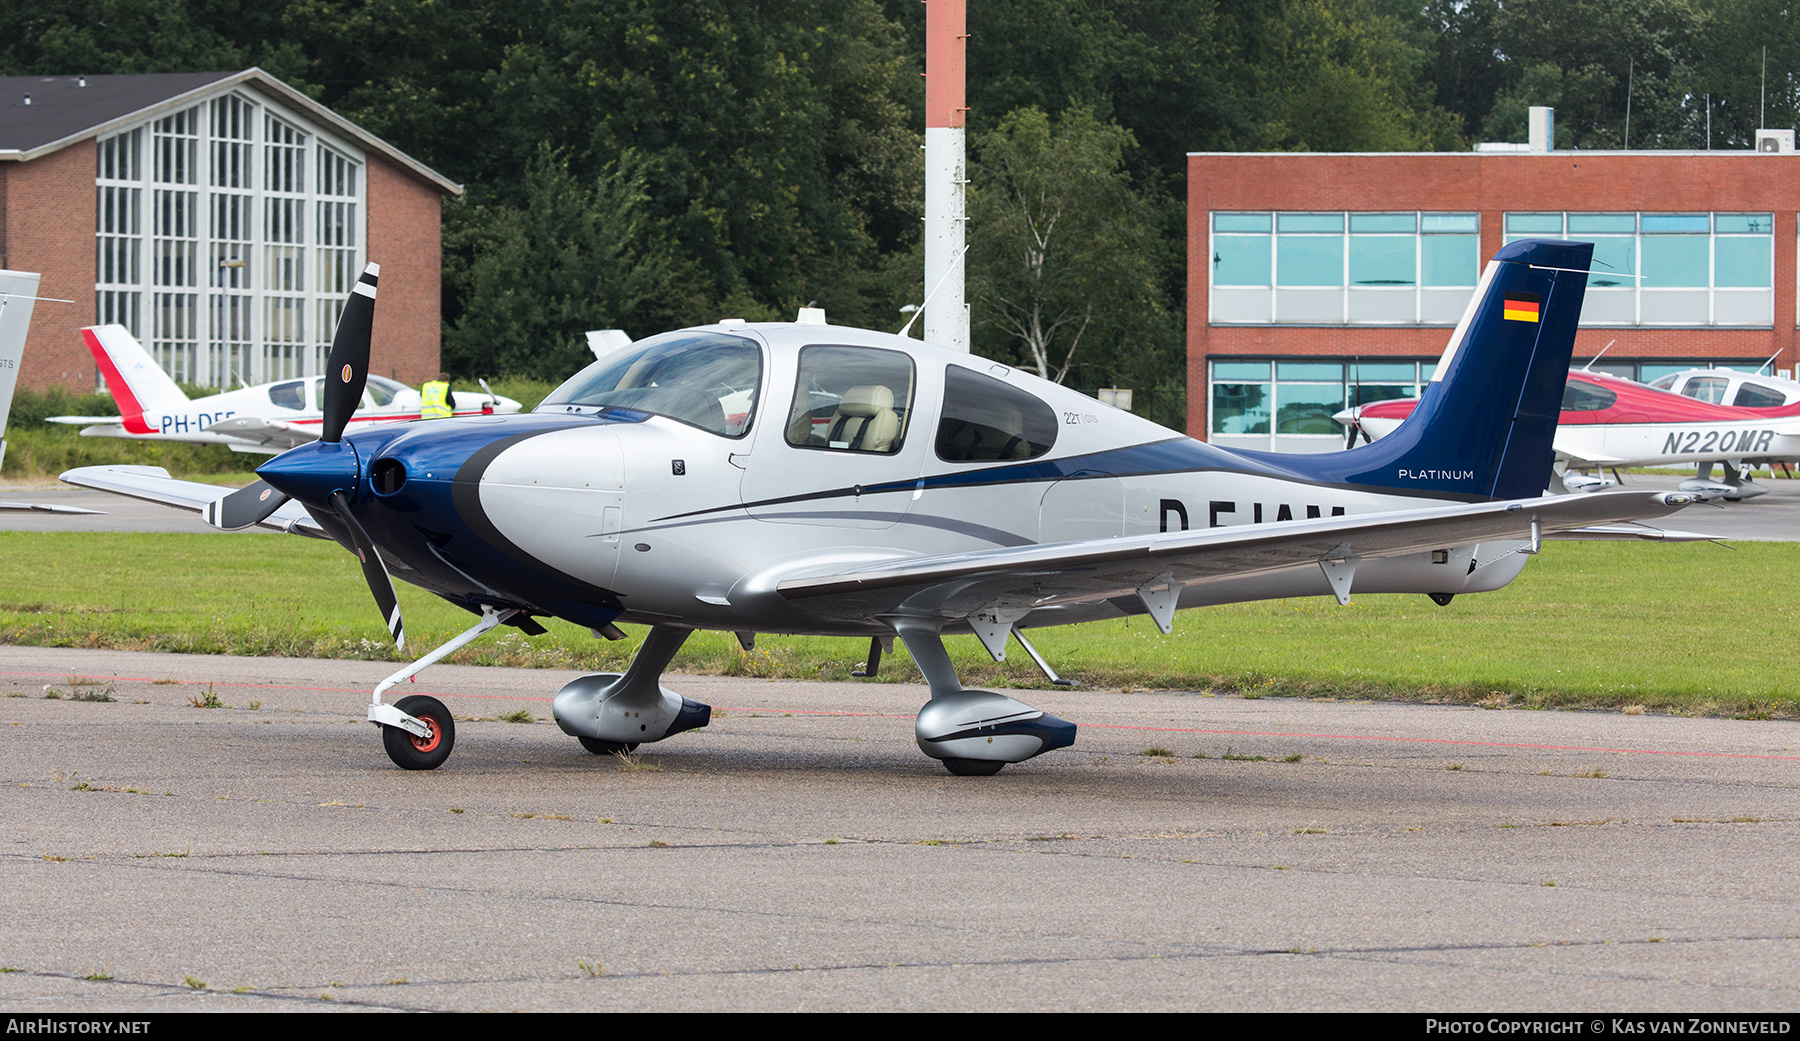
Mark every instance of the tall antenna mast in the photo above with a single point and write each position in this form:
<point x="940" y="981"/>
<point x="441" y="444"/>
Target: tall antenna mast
<point x="946" y="171"/>
<point x="1630" y="75"/>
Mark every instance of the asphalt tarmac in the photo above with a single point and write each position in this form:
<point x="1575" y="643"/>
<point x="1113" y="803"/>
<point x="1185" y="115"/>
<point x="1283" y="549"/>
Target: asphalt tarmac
<point x="800" y="853"/>
<point x="1774" y="517"/>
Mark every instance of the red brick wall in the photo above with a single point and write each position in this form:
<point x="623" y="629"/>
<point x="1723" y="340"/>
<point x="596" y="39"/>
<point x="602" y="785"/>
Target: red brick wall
<point x="1493" y="185"/>
<point x="406" y="239"/>
<point x="47" y="226"/>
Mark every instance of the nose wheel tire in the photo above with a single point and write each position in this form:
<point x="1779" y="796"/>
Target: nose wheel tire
<point x="410" y="752"/>
<point x="973" y="767"/>
<point x="599" y="747"/>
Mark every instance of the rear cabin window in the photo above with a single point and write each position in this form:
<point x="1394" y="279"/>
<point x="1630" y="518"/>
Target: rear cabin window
<point x="986" y="420"/>
<point x="851" y="399"/>
<point x="1749" y="395"/>
<point x="1585" y="397"/>
<point x="288" y="395"/>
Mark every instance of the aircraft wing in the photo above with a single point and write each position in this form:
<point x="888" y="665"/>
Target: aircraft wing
<point x="77" y="421"/>
<point x="1019" y="578"/>
<point x="269" y="433"/>
<point x="153" y="484"/>
<point x="43" y="507"/>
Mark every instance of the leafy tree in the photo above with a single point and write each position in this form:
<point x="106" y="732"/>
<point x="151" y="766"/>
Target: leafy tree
<point x="1062" y="259"/>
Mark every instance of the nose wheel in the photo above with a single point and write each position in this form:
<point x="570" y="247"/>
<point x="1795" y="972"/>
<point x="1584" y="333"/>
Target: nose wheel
<point x="411" y="752"/>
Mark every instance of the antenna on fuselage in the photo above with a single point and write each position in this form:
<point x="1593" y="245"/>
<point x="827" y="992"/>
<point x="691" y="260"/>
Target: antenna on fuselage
<point x="934" y="290"/>
<point x="1589" y="367"/>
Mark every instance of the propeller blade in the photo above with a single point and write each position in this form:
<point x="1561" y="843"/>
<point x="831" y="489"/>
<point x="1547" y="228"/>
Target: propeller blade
<point x="374" y="571"/>
<point x="244" y="507"/>
<point x="347" y="367"/>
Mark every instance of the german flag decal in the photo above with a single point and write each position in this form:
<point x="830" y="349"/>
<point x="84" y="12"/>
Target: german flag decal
<point x="1520" y="307"/>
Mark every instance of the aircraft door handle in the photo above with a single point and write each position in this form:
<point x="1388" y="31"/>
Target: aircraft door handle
<point x="739" y="460"/>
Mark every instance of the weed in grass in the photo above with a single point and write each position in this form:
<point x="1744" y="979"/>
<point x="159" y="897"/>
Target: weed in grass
<point x="457" y="809"/>
<point x="208" y="699"/>
<point x="4" y="969"/>
<point x="52" y="694"/>
<point x="1633" y="710"/>
<point x="16" y="694"/>
<point x="86" y="681"/>
<point x="1280" y="867"/>
<point x="658" y="844"/>
<point x="54" y="859"/>
<point x="1548" y="883"/>
<point x="1690" y="820"/>
<point x="1591" y="773"/>
<point x="633" y="764"/>
<point x="831" y="842"/>
<point x="591" y="969"/>
<point x="177" y="856"/>
<point x="166" y="681"/>
<point x="1757" y="709"/>
<point x="1311" y="831"/>
<point x="1200" y="755"/>
<point x="100" y="975"/>
<point x="100" y="694"/>
<point x="194" y="984"/>
<point x="1157" y="750"/>
<point x="1654" y="939"/>
<point x="1453" y="766"/>
<point x="1236" y="758"/>
<point x="242" y="989"/>
<point x="399" y="981"/>
<point x="1294" y="758"/>
<point x="1746" y="820"/>
<point x="327" y="997"/>
<point x="254" y="706"/>
<point x="521" y="716"/>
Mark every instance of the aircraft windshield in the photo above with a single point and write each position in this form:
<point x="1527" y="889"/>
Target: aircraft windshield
<point x="708" y="380"/>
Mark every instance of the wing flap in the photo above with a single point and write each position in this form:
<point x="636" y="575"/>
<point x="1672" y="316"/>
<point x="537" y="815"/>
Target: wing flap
<point x="270" y="433"/>
<point x="1099" y="569"/>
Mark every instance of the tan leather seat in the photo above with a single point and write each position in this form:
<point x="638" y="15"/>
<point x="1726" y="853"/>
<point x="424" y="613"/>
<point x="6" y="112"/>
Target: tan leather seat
<point x="864" y="420"/>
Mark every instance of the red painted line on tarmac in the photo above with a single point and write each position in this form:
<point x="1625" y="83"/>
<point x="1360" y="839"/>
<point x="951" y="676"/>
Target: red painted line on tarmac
<point x="764" y="711"/>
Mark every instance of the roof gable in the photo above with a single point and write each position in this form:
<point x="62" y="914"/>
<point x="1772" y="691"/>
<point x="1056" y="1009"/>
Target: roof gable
<point x="63" y="110"/>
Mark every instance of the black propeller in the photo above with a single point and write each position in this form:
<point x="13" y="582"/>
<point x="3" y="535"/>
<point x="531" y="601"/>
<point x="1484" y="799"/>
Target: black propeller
<point x="347" y="368"/>
<point x="346" y="373"/>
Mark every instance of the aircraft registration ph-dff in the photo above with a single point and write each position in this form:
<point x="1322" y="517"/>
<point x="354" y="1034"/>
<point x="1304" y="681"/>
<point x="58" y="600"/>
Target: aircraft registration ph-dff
<point x="805" y="478"/>
<point x="266" y="418"/>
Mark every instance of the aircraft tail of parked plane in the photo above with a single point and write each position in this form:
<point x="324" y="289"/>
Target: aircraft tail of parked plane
<point x="18" y="297"/>
<point x="1485" y="426"/>
<point x="140" y="386"/>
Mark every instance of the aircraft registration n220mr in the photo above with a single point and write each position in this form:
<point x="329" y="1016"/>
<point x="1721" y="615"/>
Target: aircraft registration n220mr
<point x="805" y="478"/>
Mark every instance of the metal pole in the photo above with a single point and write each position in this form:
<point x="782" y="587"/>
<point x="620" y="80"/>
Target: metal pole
<point x="946" y="177"/>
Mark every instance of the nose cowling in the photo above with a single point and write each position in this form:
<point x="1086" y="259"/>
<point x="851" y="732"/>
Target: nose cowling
<point x="311" y="473"/>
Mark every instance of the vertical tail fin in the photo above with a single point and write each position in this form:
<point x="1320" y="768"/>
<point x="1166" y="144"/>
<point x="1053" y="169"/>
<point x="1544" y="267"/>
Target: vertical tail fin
<point x="1484" y="427"/>
<point x="137" y="383"/>
<point x="18" y="295"/>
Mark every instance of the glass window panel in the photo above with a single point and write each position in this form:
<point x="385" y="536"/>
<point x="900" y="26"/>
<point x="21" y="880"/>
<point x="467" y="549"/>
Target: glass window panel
<point x="857" y="399"/>
<point x="1707" y="388"/>
<point x="1310" y="222"/>
<point x="1450" y="260"/>
<point x="1602" y="223"/>
<point x="1614" y="256"/>
<point x="1534" y="224"/>
<point x="1385" y="372"/>
<point x="1240" y="370"/>
<point x="1675" y="261"/>
<point x="1392" y="222"/>
<point x="1307" y="260"/>
<point x="1743" y="262"/>
<point x="1304" y="409"/>
<point x="1240" y="408"/>
<point x="1749" y="395"/>
<point x="1241" y="260"/>
<point x="1241" y="222"/>
<point x="1740" y="223"/>
<point x="1647" y="372"/>
<point x="1303" y="370"/>
<point x="1430" y="222"/>
<point x="1676" y="222"/>
<point x="1382" y="261"/>
<point x="1369" y="393"/>
<point x="985" y="420"/>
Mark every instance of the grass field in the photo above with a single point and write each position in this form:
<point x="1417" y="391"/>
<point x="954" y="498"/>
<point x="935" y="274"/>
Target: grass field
<point x="1685" y="628"/>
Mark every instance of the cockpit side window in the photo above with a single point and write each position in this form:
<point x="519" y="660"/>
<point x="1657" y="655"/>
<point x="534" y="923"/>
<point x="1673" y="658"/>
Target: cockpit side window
<point x="1707" y="388"/>
<point x="704" y="379"/>
<point x="851" y="399"/>
<point x="288" y="395"/>
<point x="381" y="390"/>
<point x="1585" y="397"/>
<point x="986" y="420"/>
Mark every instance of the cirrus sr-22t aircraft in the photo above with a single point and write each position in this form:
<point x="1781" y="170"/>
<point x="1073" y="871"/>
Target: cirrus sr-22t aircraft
<point x="267" y="418"/>
<point x="805" y="478"/>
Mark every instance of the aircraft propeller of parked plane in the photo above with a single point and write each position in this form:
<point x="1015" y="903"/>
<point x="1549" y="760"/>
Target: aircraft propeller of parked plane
<point x="267" y="418"/>
<point x="808" y="478"/>
<point x="1608" y="422"/>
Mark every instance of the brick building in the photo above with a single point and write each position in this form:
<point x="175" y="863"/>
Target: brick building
<point x="1320" y="280"/>
<point x="219" y="216"/>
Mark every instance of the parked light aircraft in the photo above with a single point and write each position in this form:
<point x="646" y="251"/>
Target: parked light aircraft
<point x="1724" y="386"/>
<point x="18" y="295"/>
<point x="266" y="419"/>
<point x="1609" y="422"/>
<point x="806" y="478"/>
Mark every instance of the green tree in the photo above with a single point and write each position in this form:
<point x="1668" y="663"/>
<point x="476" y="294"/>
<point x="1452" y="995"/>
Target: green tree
<point x="574" y="256"/>
<point x="1063" y="254"/>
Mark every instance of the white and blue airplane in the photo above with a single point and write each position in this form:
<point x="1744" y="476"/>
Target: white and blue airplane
<point x="807" y="478"/>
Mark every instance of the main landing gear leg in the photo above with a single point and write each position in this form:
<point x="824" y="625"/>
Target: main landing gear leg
<point x="974" y="732"/>
<point x="610" y="712"/>
<point x="417" y="731"/>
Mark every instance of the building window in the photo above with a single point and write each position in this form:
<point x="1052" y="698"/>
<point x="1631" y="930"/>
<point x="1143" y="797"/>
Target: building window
<point x="1683" y="269"/>
<point x="1286" y="405"/>
<point x="1337" y="268"/>
<point x="220" y="283"/>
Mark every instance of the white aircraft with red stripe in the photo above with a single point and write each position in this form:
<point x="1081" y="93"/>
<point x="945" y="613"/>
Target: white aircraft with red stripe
<point x="267" y="418"/>
<point x="1609" y="422"/>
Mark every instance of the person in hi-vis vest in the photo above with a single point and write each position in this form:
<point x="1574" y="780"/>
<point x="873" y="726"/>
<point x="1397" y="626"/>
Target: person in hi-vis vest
<point x="435" y="399"/>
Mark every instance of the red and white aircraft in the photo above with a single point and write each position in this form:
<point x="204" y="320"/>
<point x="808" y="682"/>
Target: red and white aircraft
<point x="1609" y="422"/>
<point x="267" y="418"/>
